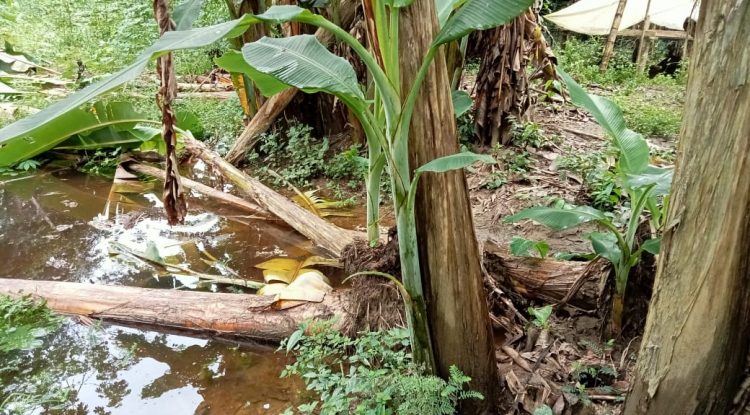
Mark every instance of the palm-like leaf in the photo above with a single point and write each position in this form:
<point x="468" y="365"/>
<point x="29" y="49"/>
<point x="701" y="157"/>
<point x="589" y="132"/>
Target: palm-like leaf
<point x="304" y="63"/>
<point x="480" y="15"/>
<point x="559" y="218"/>
<point x="634" y="152"/>
<point x="40" y="132"/>
<point x="232" y="61"/>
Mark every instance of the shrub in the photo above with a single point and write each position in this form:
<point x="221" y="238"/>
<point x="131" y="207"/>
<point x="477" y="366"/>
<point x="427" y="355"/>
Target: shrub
<point x="372" y="374"/>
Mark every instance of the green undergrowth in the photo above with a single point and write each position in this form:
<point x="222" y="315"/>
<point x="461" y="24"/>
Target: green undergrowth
<point x="372" y="374"/>
<point x="104" y="34"/>
<point x="652" y="107"/>
<point x="293" y="155"/>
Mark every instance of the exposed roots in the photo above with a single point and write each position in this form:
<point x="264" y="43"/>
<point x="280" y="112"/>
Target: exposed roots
<point x="376" y="303"/>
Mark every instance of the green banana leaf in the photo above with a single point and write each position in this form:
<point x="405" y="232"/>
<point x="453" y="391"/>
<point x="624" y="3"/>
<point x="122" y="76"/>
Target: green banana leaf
<point x="557" y="218"/>
<point x="605" y="245"/>
<point x="633" y="149"/>
<point x="461" y="102"/>
<point x="454" y="162"/>
<point x="233" y="61"/>
<point x="186" y="13"/>
<point x="46" y="129"/>
<point x="479" y="15"/>
<point x="660" y="177"/>
<point x="304" y="63"/>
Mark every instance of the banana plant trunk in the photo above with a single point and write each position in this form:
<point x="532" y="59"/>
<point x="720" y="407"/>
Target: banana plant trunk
<point x="448" y="252"/>
<point x="695" y="346"/>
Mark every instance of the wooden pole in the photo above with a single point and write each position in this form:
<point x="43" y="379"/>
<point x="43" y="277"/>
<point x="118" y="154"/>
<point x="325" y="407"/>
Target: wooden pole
<point x="610" y="45"/>
<point x="645" y="43"/>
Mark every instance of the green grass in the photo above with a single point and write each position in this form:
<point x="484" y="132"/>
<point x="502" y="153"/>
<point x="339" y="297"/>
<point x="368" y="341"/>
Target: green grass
<point x="652" y="107"/>
<point x="106" y="35"/>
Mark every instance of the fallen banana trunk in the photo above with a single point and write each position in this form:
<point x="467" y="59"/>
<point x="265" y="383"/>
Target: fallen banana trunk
<point x="580" y="284"/>
<point x="329" y="237"/>
<point x="242" y="315"/>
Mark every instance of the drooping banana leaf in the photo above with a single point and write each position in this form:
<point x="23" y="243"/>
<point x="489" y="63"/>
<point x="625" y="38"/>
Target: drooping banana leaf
<point x="461" y="102"/>
<point x="304" y="63"/>
<point x="633" y="148"/>
<point x="186" y="13"/>
<point x="557" y="218"/>
<point x="479" y="15"/>
<point x="51" y="126"/>
<point x="232" y="61"/>
<point x="106" y="125"/>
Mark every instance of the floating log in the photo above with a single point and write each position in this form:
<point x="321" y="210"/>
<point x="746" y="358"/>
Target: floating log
<point x="329" y="237"/>
<point x="241" y="315"/>
<point x="580" y="284"/>
<point x="253" y="317"/>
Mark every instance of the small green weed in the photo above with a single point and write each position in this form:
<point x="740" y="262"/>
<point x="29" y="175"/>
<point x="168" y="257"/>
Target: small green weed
<point x="372" y="374"/>
<point x="520" y="246"/>
<point x="102" y="162"/>
<point x="531" y="134"/>
<point x="541" y="316"/>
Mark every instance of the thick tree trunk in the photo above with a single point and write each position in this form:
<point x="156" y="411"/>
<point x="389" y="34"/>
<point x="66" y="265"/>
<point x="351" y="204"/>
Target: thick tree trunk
<point x="239" y="315"/>
<point x="695" y="346"/>
<point x="448" y="251"/>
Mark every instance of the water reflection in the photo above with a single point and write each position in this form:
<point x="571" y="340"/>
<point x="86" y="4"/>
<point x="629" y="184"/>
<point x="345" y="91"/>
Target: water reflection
<point x="115" y="370"/>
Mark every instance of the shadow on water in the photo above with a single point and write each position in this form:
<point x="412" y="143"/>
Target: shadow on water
<point x="49" y="231"/>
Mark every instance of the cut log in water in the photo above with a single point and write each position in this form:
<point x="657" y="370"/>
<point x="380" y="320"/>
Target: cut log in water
<point x="242" y="315"/>
<point x="208" y="191"/>
<point x="253" y="317"/>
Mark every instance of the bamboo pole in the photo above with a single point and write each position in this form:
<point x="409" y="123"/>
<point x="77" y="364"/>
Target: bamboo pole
<point x="644" y="44"/>
<point x="610" y="45"/>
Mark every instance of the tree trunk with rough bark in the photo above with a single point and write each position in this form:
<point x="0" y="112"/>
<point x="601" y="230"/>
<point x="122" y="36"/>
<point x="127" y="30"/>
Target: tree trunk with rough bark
<point x="696" y="343"/>
<point x="448" y="251"/>
<point x="502" y="86"/>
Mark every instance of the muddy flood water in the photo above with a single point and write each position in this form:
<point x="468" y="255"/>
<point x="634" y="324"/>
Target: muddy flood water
<point x="65" y="226"/>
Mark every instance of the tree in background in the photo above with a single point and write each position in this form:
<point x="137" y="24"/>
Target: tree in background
<point x="502" y="85"/>
<point x="695" y="346"/>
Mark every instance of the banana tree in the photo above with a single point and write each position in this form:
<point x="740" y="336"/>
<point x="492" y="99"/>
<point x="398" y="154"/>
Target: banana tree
<point x="644" y="186"/>
<point x="302" y="62"/>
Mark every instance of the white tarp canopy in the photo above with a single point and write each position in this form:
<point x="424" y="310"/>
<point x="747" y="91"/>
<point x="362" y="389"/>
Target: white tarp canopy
<point x="594" y="17"/>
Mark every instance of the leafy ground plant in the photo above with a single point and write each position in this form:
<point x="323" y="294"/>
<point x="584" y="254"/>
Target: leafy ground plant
<point x="372" y="374"/>
<point x="645" y="186"/>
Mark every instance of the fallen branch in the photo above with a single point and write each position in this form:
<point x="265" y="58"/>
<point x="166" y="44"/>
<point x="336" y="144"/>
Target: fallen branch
<point x="326" y="235"/>
<point x="241" y="315"/>
<point x="208" y="191"/>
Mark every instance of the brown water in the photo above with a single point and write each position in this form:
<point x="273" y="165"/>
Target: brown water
<point x="49" y="231"/>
